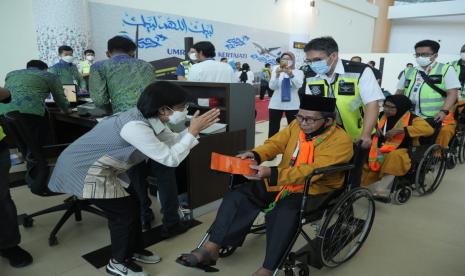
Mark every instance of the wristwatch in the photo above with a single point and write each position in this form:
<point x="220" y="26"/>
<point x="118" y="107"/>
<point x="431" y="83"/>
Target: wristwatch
<point x="445" y="111"/>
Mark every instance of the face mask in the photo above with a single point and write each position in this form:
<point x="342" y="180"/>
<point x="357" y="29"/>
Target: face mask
<point x="177" y="117"/>
<point x="193" y="56"/>
<point x="289" y="63"/>
<point x="90" y="58"/>
<point x="67" y="59"/>
<point x="423" y="61"/>
<point x="320" y="67"/>
<point x="462" y="55"/>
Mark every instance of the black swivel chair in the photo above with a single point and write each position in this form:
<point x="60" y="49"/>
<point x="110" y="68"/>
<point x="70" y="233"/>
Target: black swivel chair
<point x="38" y="174"/>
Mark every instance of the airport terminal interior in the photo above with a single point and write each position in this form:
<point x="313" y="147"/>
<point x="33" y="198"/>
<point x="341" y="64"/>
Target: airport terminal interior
<point x="213" y="137"/>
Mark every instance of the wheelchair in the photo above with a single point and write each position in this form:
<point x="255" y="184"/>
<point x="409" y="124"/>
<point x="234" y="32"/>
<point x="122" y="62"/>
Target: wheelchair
<point x="427" y="170"/>
<point x="456" y="152"/>
<point x="340" y="225"/>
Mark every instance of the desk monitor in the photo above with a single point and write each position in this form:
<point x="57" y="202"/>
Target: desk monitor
<point x="70" y="93"/>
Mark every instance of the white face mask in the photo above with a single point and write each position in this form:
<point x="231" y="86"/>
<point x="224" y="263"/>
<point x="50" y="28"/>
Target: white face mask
<point x="177" y="117"/>
<point x="462" y="55"/>
<point x="289" y="63"/>
<point x="90" y="58"/>
<point x="423" y="61"/>
<point x="193" y="56"/>
<point x="67" y="59"/>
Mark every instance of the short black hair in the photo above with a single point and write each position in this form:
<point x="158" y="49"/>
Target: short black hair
<point x="206" y="47"/>
<point x="324" y="43"/>
<point x="267" y="65"/>
<point x="159" y="94"/>
<point x="223" y="59"/>
<point x="35" y="63"/>
<point x="409" y="64"/>
<point x="89" y="51"/>
<point x="372" y="63"/>
<point x="63" y="48"/>
<point x="433" y="45"/>
<point x="121" y="43"/>
<point x="359" y="57"/>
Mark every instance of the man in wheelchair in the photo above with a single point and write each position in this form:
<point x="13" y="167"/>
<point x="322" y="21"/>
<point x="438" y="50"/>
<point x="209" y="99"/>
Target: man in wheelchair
<point x="311" y="141"/>
<point x="397" y="129"/>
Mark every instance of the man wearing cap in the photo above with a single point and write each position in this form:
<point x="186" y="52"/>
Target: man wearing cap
<point x="311" y="141"/>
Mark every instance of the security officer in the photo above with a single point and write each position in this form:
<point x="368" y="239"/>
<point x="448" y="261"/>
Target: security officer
<point x="432" y="87"/>
<point x="459" y="66"/>
<point x="182" y="72"/>
<point x="352" y="84"/>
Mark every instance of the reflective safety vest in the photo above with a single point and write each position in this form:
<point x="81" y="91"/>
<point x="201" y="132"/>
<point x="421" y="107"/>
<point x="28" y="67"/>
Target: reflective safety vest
<point x="2" y="134"/>
<point x="458" y="68"/>
<point x="187" y="66"/>
<point x="85" y="65"/>
<point x="345" y="88"/>
<point x="430" y="101"/>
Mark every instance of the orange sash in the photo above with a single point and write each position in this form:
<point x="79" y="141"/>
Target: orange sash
<point x="375" y="157"/>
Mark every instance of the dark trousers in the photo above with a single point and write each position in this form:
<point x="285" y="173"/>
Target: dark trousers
<point x="240" y="208"/>
<point x="9" y="230"/>
<point x="165" y="180"/>
<point x="265" y="89"/>
<point x="124" y="224"/>
<point x="38" y="127"/>
<point x="275" y="119"/>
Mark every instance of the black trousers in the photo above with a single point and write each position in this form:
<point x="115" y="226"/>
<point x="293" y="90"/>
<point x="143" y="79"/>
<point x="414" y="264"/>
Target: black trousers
<point x="9" y="230"/>
<point x="275" y="119"/>
<point x="38" y="127"/>
<point x="265" y="89"/>
<point x="165" y="180"/>
<point x="124" y="224"/>
<point x="240" y="208"/>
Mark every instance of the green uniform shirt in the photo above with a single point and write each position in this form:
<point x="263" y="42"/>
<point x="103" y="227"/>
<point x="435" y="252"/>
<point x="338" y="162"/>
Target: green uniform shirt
<point x="68" y="74"/>
<point x="119" y="80"/>
<point x="29" y="88"/>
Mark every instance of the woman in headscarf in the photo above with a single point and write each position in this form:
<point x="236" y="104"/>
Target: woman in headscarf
<point x="397" y="129"/>
<point x="285" y="81"/>
<point x="245" y="75"/>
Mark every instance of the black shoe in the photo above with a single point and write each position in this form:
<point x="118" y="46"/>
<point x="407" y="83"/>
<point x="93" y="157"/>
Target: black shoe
<point x="17" y="256"/>
<point x="146" y="225"/>
<point x="177" y="229"/>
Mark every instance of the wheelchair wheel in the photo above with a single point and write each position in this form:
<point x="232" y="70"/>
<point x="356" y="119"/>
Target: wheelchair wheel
<point x="461" y="152"/>
<point x="226" y="251"/>
<point x="346" y="227"/>
<point x="402" y="195"/>
<point x="430" y="170"/>
<point x="452" y="154"/>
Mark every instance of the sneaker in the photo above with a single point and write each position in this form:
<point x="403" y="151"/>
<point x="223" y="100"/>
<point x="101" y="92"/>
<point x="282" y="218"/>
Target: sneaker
<point x="127" y="268"/>
<point x="17" y="256"/>
<point x="146" y="257"/>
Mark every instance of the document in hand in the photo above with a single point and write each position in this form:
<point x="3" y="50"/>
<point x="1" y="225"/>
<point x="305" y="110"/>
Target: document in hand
<point x="230" y="164"/>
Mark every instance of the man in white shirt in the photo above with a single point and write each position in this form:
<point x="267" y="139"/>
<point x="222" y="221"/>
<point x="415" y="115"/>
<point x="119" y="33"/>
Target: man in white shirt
<point x="353" y="84"/>
<point x="207" y="69"/>
<point x="436" y="97"/>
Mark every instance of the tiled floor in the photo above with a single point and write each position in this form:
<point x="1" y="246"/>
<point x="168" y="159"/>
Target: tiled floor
<point x="425" y="237"/>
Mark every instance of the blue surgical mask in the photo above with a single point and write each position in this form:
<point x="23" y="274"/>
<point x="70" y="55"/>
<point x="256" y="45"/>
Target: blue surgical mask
<point x="320" y="67"/>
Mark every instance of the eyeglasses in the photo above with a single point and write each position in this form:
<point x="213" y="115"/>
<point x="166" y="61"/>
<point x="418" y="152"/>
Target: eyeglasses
<point x="307" y="120"/>
<point x="423" y="55"/>
<point x="310" y="62"/>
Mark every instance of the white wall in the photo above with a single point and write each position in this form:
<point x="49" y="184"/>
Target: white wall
<point x="393" y="64"/>
<point x="18" y="37"/>
<point x="448" y="30"/>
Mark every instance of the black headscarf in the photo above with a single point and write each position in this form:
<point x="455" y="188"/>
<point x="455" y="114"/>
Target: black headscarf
<point x="402" y="103"/>
<point x="245" y="69"/>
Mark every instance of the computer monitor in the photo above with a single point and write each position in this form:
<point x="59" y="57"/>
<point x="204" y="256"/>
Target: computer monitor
<point x="70" y="93"/>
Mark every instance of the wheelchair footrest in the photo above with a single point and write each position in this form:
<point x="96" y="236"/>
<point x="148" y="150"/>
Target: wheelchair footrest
<point x="310" y="255"/>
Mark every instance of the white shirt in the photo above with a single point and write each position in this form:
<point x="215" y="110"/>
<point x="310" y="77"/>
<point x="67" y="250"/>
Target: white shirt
<point x="250" y="77"/>
<point x="158" y="142"/>
<point x="212" y="71"/>
<point x="451" y="81"/>
<point x="370" y="90"/>
<point x="275" y="84"/>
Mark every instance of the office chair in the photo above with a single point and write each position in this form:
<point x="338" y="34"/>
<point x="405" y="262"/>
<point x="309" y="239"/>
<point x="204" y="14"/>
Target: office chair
<point x="38" y="173"/>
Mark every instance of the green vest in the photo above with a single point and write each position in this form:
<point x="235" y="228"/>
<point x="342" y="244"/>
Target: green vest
<point x="85" y="65"/>
<point x="2" y="134"/>
<point x="430" y="101"/>
<point x="346" y="90"/>
<point x="458" y="69"/>
<point x="187" y="66"/>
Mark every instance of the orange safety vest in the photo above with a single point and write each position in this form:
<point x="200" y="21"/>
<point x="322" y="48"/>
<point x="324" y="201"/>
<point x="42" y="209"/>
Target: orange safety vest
<point x="305" y="153"/>
<point x="375" y="157"/>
